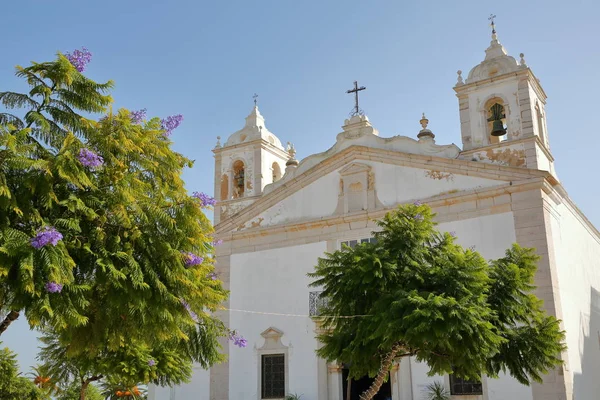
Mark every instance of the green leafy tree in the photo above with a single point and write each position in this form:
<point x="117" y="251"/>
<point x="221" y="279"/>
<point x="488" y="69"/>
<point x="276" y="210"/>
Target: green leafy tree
<point x="12" y="385"/>
<point x="417" y="293"/>
<point x="73" y="392"/>
<point x="101" y="245"/>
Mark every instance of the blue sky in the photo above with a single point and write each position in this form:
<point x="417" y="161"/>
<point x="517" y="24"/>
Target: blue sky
<point x="205" y="60"/>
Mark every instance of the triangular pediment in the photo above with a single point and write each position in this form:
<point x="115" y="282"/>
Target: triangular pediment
<point x="354" y="168"/>
<point x="272" y="332"/>
<point x="392" y="178"/>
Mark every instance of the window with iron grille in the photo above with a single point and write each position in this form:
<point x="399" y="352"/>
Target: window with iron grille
<point x="273" y="376"/>
<point x="353" y="243"/>
<point x="464" y="387"/>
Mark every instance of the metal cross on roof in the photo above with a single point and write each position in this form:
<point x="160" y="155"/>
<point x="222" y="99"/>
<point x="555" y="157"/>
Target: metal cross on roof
<point x="356" y="110"/>
<point x="255" y="97"/>
<point x="491" y="18"/>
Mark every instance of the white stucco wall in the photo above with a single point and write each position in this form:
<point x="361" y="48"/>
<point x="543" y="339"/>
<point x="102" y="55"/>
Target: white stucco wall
<point x="577" y="252"/>
<point x="273" y="281"/>
<point x="394" y="184"/>
<point x="197" y="389"/>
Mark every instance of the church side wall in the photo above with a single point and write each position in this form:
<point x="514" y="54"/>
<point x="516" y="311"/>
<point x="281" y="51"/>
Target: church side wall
<point x="577" y="251"/>
<point x="273" y="281"/>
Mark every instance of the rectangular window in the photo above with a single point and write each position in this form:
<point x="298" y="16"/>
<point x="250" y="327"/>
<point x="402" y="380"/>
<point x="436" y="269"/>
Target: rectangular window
<point x="459" y="386"/>
<point x="352" y="243"/>
<point x="273" y="376"/>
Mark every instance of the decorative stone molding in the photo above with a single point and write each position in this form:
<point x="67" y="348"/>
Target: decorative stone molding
<point x="359" y="132"/>
<point x="356" y="153"/>
<point x="357" y="189"/>
<point x="272" y="345"/>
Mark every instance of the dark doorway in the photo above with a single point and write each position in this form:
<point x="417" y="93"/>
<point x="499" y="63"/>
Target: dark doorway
<point x="359" y="386"/>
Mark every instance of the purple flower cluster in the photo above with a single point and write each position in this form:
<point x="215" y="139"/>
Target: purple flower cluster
<point x="138" y="116"/>
<point x="217" y="242"/>
<point x="46" y="235"/>
<point x="171" y="123"/>
<point x="53" y="287"/>
<point x="79" y="58"/>
<point x="186" y="305"/>
<point x="418" y="217"/>
<point x="237" y="340"/>
<point x="151" y="363"/>
<point x="417" y="203"/>
<point x="453" y="234"/>
<point x="192" y="259"/>
<point x="90" y="159"/>
<point x="213" y="276"/>
<point x="205" y="200"/>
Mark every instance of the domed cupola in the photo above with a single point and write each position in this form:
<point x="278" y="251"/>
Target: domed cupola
<point x="497" y="62"/>
<point x="254" y="129"/>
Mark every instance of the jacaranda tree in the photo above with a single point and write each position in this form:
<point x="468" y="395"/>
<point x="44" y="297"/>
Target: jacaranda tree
<point x="101" y="246"/>
<point x="14" y="386"/>
<point x="415" y="292"/>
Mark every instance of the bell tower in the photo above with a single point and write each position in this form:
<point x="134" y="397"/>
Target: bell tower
<point x="502" y="112"/>
<point x="250" y="159"/>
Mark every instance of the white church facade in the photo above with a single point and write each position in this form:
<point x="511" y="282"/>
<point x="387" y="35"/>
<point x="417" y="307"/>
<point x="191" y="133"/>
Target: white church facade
<point x="278" y="215"/>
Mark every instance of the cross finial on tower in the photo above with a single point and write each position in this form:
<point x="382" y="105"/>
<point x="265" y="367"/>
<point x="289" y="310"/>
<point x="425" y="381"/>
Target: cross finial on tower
<point x="493" y="25"/>
<point x="255" y="97"/>
<point x="356" y="110"/>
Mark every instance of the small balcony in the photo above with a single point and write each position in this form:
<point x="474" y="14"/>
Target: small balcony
<point x="315" y="303"/>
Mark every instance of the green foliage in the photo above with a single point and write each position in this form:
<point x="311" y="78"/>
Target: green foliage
<point x="445" y="305"/>
<point x="72" y="392"/>
<point x="124" y="225"/>
<point x="12" y="385"/>
<point x="437" y="391"/>
<point x="293" y="397"/>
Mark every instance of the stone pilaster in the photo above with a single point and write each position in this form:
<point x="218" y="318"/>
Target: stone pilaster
<point x="219" y="373"/>
<point x="532" y="212"/>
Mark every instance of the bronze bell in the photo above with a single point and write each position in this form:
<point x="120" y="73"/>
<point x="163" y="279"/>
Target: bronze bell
<point x="497" y="112"/>
<point x="498" y="128"/>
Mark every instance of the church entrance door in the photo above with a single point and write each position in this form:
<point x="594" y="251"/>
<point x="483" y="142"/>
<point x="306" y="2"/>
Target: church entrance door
<point x="357" y="387"/>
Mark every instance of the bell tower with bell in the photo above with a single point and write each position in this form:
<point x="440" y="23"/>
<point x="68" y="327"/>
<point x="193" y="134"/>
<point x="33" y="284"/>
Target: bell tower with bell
<point x="502" y="111"/>
<point x="250" y="159"/>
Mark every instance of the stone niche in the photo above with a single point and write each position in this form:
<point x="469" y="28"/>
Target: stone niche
<point x="357" y="189"/>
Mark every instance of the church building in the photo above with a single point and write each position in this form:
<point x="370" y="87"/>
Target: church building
<point x="277" y="215"/>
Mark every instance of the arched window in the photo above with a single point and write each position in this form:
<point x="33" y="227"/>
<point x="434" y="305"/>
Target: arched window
<point x="495" y="115"/>
<point x="225" y="187"/>
<point x="540" y="123"/>
<point x="239" y="179"/>
<point x="276" y="172"/>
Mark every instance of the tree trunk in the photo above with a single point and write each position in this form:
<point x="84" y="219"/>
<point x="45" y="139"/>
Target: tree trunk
<point x="84" y="386"/>
<point x="86" y="383"/>
<point x="386" y="363"/>
<point x="12" y="316"/>
<point x="349" y="387"/>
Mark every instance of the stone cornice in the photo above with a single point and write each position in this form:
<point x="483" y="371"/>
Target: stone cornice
<point x="463" y="167"/>
<point x="253" y="144"/>
<point x="526" y="72"/>
<point x="434" y="202"/>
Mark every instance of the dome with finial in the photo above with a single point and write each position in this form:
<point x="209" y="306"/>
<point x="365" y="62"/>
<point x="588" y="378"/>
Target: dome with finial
<point x="253" y="129"/>
<point x="497" y="62"/>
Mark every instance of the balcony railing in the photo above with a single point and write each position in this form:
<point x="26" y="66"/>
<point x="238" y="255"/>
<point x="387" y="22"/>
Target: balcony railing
<point x="315" y="303"/>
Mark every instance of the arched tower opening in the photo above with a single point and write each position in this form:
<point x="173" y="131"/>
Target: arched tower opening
<point x="276" y="169"/>
<point x="495" y="116"/>
<point x="239" y="179"/>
